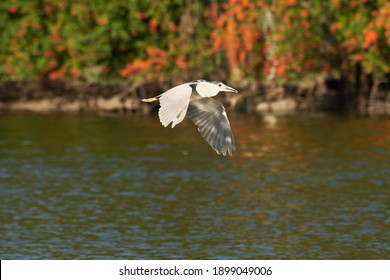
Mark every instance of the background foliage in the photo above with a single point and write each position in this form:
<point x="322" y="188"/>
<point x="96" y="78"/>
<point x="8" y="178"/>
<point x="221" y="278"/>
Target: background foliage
<point x="244" y="40"/>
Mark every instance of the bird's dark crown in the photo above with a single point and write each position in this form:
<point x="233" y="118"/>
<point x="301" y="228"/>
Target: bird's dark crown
<point x="212" y="82"/>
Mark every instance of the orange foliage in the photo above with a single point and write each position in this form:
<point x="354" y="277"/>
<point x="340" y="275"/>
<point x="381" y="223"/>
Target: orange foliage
<point x="52" y="64"/>
<point x="281" y="70"/>
<point x="155" y="52"/>
<point x="251" y="36"/>
<point x="375" y="13"/>
<point x="155" y="61"/>
<point x="300" y="57"/>
<point x="304" y="13"/>
<point x="180" y="62"/>
<point x="352" y="4"/>
<point x="268" y="65"/>
<point x="242" y="57"/>
<point x="351" y="44"/>
<point x="172" y="28"/>
<point x="58" y="74"/>
<point x="306" y="24"/>
<point x="370" y="38"/>
<point x="231" y="42"/>
<point x="236" y="31"/>
<point x="387" y="31"/>
<point x="383" y="21"/>
<point x="75" y="73"/>
<point x="102" y="21"/>
<point x="286" y="20"/>
<point x="12" y="10"/>
<point x="261" y="4"/>
<point x="334" y="27"/>
<point x="290" y="3"/>
<point x="379" y="22"/>
<point x="357" y="58"/>
<point x="153" y="23"/>
<point x="140" y="15"/>
<point x="138" y="66"/>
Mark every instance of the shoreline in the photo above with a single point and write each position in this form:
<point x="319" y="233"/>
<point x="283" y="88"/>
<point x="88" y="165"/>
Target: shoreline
<point x="46" y="96"/>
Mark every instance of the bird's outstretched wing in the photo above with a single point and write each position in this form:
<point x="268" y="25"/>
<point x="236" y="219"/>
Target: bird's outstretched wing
<point x="210" y="117"/>
<point x="174" y="104"/>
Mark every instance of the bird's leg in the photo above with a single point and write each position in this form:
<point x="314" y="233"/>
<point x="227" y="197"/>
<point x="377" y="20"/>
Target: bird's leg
<point x="149" y="99"/>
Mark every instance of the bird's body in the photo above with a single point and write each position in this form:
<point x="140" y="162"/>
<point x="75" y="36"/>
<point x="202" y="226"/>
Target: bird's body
<point x="194" y="100"/>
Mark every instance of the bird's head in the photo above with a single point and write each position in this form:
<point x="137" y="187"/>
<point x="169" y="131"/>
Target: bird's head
<point x="221" y="87"/>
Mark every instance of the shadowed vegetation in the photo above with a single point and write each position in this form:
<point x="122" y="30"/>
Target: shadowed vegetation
<point x="247" y="42"/>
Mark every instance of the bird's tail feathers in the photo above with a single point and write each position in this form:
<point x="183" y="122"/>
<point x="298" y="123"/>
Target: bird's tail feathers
<point x="151" y="99"/>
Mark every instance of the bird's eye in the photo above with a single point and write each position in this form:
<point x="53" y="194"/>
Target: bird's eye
<point x="219" y="85"/>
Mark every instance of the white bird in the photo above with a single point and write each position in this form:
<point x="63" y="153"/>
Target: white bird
<point x="194" y="100"/>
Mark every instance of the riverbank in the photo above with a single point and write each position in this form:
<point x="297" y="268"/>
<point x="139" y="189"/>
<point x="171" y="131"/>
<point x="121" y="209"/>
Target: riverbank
<point x="59" y="96"/>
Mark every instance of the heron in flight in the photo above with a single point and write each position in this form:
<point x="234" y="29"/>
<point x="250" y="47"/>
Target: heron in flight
<point x="194" y="100"/>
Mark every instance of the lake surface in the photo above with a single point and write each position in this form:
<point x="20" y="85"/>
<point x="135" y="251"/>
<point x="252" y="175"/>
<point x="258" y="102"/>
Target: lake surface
<point x="117" y="187"/>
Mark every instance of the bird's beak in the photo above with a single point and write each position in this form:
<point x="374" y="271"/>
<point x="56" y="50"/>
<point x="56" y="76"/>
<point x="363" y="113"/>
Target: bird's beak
<point x="229" y="89"/>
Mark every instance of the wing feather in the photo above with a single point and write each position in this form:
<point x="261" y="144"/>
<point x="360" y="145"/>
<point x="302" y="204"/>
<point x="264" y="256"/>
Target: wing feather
<point x="174" y="104"/>
<point x="210" y="117"/>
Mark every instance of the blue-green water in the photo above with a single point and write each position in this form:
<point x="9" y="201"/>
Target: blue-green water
<point x="116" y="187"/>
